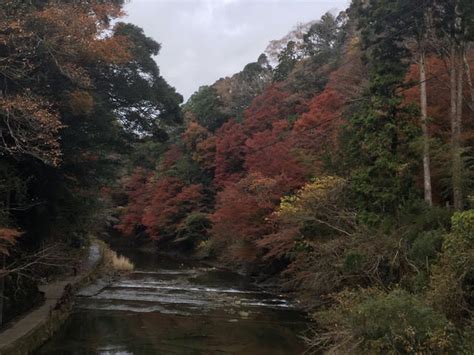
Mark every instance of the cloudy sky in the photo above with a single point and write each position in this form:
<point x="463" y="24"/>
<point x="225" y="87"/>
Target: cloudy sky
<point x="204" y="40"/>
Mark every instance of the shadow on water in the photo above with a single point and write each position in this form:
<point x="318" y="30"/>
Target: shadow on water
<point x="168" y="306"/>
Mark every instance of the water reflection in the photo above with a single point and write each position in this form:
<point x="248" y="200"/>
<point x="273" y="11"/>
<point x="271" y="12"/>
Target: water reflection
<point x="167" y="307"/>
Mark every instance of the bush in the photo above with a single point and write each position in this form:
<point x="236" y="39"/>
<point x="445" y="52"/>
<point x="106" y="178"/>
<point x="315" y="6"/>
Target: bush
<point x="370" y="321"/>
<point x="426" y="247"/>
<point x="194" y="228"/>
<point x="399" y="323"/>
<point x="452" y="281"/>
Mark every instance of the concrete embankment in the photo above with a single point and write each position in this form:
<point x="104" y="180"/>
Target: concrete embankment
<point x="29" y="332"/>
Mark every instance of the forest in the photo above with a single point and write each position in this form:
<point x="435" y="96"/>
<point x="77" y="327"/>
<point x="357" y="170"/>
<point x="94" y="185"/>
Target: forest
<point x="337" y="168"/>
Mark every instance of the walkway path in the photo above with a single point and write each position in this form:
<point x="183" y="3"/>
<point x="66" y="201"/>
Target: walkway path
<point x="34" y="328"/>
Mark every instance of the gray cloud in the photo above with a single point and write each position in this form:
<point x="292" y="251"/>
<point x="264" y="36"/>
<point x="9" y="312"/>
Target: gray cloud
<point x="204" y="40"/>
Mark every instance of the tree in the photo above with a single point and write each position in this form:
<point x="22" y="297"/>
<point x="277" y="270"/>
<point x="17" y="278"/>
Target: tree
<point x="239" y="216"/>
<point x="206" y="108"/>
<point x="286" y="62"/>
<point x="382" y="130"/>
<point x="171" y="202"/>
<point x="324" y="37"/>
<point x="137" y="190"/>
<point x="237" y="92"/>
<point x="317" y="131"/>
<point x="271" y="153"/>
<point x="142" y="99"/>
<point x="230" y="153"/>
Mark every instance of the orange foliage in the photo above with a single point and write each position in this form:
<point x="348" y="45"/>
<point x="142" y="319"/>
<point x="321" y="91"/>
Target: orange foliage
<point x="230" y="153"/>
<point x="169" y="159"/>
<point x="274" y="104"/>
<point x="270" y="153"/>
<point x="81" y="102"/>
<point x="67" y="36"/>
<point x="32" y="128"/>
<point x="74" y="32"/>
<point x="201" y="144"/>
<point x="241" y="210"/>
<point x="137" y="189"/>
<point x="8" y="237"/>
<point x="317" y="130"/>
<point x="171" y="200"/>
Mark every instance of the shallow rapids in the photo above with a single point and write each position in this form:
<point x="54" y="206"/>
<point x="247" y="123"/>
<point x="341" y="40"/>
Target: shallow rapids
<point x="167" y="307"/>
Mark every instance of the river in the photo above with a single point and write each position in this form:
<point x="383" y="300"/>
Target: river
<point x="170" y="307"/>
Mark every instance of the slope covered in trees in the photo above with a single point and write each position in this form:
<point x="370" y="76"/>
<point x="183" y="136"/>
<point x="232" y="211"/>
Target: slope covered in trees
<point x="78" y="89"/>
<point x="339" y="167"/>
<point x="343" y="173"/>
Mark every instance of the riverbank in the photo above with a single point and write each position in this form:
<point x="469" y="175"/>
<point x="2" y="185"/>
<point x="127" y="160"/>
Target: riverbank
<point x="33" y="329"/>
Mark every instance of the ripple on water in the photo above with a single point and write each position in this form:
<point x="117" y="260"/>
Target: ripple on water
<point x="179" y="311"/>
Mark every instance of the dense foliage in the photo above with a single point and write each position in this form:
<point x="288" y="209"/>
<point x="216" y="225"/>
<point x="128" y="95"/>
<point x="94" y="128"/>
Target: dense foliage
<point x="343" y="173"/>
<point x="77" y="89"/>
<point x="332" y="174"/>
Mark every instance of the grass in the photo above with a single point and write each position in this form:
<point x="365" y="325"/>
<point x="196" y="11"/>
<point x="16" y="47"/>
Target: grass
<point x="118" y="262"/>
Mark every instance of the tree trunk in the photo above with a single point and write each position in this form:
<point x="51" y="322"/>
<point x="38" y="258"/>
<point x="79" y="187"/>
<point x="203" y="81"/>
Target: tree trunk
<point x="424" y="127"/>
<point x="467" y="68"/>
<point x="2" y="290"/>
<point x="456" y="80"/>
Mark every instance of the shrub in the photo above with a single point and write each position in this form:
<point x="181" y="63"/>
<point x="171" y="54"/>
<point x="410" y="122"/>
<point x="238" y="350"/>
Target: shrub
<point x="398" y="323"/>
<point x="194" y="228"/>
<point x="373" y="322"/>
<point x="426" y="247"/>
<point x="452" y="281"/>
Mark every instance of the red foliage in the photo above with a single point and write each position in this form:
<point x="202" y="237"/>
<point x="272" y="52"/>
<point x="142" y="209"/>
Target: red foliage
<point x="169" y="159"/>
<point x="201" y="145"/>
<point x="267" y="117"/>
<point x="170" y="202"/>
<point x="437" y="93"/>
<point x="274" y="104"/>
<point x="240" y="215"/>
<point x="157" y="207"/>
<point x="317" y="129"/>
<point x="270" y="153"/>
<point x="137" y="189"/>
<point x="230" y="153"/>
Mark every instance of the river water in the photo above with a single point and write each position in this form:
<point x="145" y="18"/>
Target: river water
<point x="169" y="307"/>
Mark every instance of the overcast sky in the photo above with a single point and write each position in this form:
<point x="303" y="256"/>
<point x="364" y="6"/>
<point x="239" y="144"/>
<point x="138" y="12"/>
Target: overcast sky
<point x="204" y="40"/>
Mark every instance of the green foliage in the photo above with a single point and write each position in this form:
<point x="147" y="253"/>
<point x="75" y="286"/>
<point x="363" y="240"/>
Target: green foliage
<point x="286" y="62"/>
<point x="325" y="37"/>
<point x="194" y="228"/>
<point x="354" y="262"/>
<point x="459" y="244"/>
<point x="452" y="283"/>
<point x="399" y="323"/>
<point x="206" y="108"/>
<point x="418" y="217"/>
<point x="372" y="321"/>
<point x="145" y="103"/>
<point x="426" y="247"/>
<point x="382" y="132"/>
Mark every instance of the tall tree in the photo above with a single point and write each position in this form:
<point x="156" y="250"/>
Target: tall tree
<point x="381" y="130"/>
